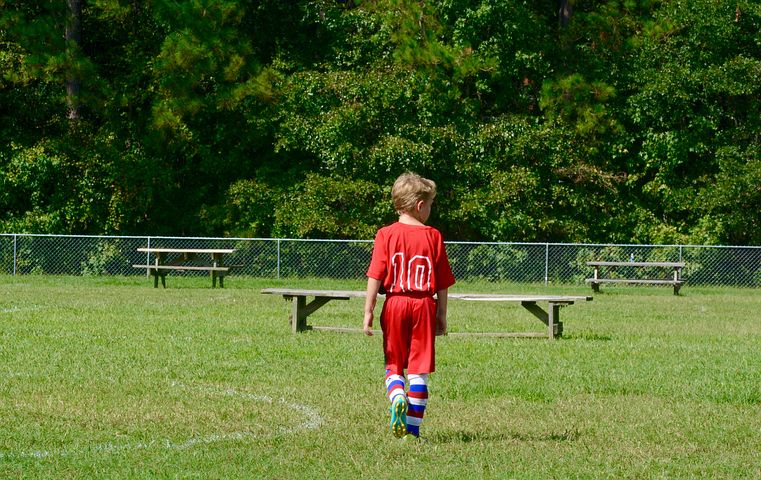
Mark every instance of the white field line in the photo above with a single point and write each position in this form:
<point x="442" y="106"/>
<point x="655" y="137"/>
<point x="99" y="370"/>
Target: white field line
<point x="17" y="309"/>
<point x="312" y="420"/>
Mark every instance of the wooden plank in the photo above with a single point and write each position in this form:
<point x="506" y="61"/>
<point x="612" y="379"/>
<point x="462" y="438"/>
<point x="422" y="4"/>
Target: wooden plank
<point x="485" y="297"/>
<point x="298" y="321"/>
<point x="300" y="310"/>
<point x="551" y="317"/>
<point x="488" y="297"/>
<point x="315" y="304"/>
<point x="183" y="267"/>
<point x="453" y="334"/>
<point x="294" y="292"/>
<point x="499" y="334"/>
<point x="634" y="280"/>
<point x="342" y="329"/>
<point x="637" y="264"/>
<point x="186" y="250"/>
<point x="537" y="311"/>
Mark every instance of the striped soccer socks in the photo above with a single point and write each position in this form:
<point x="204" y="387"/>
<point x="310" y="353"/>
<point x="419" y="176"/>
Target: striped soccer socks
<point x="418" y="399"/>
<point x="395" y="389"/>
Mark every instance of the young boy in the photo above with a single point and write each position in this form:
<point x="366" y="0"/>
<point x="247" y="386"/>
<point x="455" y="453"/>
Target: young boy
<point x="410" y="264"/>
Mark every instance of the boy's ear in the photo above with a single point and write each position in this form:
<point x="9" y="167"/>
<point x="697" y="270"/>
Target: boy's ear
<point x="419" y="205"/>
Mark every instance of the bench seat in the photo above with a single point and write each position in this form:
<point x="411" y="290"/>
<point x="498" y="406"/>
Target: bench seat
<point x="301" y="309"/>
<point x="640" y="281"/>
<point x="595" y="282"/>
<point x="186" y="259"/>
<point x="185" y="267"/>
<point x="160" y="271"/>
<point x="597" y="279"/>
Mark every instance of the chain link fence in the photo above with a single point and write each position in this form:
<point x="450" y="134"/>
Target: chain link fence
<point x="542" y="263"/>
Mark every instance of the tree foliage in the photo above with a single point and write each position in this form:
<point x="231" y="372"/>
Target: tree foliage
<point x="604" y="120"/>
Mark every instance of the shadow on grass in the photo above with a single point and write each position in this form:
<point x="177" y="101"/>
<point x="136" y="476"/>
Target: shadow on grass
<point x="482" y="437"/>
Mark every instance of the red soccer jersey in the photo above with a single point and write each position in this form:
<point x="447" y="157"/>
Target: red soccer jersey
<point x="410" y="259"/>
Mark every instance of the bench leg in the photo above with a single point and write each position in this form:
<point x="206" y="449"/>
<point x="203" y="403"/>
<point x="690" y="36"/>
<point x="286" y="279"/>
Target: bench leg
<point x="298" y="315"/>
<point x="554" y="325"/>
<point x="301" y="310"/>
<point x="214" y="276"/>
<point x="550" y="318"/>
<point x="156" y="274"/>
<point x="596" y="287"/>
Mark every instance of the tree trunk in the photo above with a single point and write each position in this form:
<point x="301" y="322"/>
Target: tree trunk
<point x="565" y="12"/>
<point x="73" y="37"/>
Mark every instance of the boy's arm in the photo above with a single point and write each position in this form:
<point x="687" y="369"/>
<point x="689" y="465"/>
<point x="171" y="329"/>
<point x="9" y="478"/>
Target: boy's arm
<point x="441" y="311"/>
<point x="373" y="286"/>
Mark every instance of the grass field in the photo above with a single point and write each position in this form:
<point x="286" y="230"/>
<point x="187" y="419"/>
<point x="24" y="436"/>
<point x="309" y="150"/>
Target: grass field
<point x="110" y="378"/>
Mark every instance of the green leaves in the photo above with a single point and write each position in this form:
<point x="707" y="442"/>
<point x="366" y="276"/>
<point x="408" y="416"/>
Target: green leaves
<point x="694" y="98"/>
<point x="732" y="199"/>
<point x="575" y="101"/>
<point x="325" y="207"/>
<point x="633" y="120"/>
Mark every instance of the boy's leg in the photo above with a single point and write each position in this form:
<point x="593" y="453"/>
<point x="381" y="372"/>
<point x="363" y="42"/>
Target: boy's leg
<point x="421" y="361"/>
<point x="418" y="400"/>
<point x="395" y="389"/>
<point x="396" y="340"/>
<point x="394" y="385"/>
<point x="422" y="351"/>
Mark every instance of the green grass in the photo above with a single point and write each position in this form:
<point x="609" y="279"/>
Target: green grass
<point x="111" y="378"/>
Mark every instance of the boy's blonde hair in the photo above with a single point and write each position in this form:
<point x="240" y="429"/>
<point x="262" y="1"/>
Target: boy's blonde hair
<point x="409" y="189"/>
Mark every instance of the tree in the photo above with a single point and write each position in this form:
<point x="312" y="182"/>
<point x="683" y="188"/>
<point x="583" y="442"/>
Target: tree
<point x="565" y="12"/>
<point x="617" y="122"/>
<point x="73" y="37"/>
<point x="694" y="98"/>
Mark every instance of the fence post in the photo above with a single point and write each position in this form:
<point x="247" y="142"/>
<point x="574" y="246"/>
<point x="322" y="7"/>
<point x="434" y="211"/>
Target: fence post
<point x="148" y="260"/>
<point x="278" y="259"/>
<point x="15" y="259"/>
<point x="546" y="264"/>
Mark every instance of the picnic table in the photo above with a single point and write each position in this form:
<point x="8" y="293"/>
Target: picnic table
<point x="550" y="317"/>
<point x="674" y="268"/>
<point x="203" y="259"/>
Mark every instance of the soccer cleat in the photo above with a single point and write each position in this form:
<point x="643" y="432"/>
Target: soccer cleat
<point x="413" y="438"/>
<point x="399" y="416"/>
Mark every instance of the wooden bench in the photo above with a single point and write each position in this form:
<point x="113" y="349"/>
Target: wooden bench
<point x="674" y="280"/>
<point x="168" y="259"/>
<point x="550" y="317"/>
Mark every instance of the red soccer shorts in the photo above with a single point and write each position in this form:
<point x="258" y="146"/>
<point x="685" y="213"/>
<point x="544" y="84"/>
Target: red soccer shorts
<point x="409" y="333"/>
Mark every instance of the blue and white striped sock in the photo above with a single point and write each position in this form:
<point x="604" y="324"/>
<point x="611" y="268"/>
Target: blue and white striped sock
<point x="394" y="386"/>
<point x="418" y="400"/>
